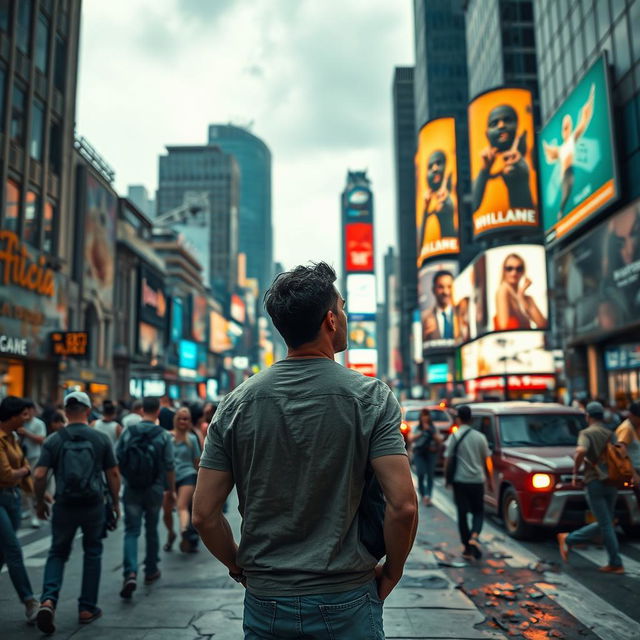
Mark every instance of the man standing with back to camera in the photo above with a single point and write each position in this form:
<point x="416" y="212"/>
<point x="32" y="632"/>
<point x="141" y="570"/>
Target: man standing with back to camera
<point x="296" y="440"/>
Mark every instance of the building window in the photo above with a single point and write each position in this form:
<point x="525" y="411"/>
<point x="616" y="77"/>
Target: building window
<point x="5" y="14"/>
<point x="31" y="227"/>
<point x="17" y="115"/>
<point x="604" y="19"/>
<point x="634" y="23"/>
<point x="42" y="44"/>
<point x="23" y="33"/>
<point x="55" y="147"/>
<point x="11" y="206"/>
<point x="49" y="221"/>
<point x="623" y="53"/>
<point x="37" y="130"/>
<point x="60" y="63"/>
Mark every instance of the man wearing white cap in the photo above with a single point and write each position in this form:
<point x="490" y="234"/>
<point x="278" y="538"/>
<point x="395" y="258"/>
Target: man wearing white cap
<point x="78" y="456"/>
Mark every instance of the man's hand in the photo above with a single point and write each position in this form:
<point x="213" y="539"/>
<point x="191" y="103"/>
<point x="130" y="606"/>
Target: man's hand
<point x="43" y="510"/>
<point x="115" y="507"/>
<point x="488" y="155"/>
<point x="385" y="581"/>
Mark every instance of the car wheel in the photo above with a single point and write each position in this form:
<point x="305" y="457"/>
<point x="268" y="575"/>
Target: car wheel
<point x="512" y="516"/>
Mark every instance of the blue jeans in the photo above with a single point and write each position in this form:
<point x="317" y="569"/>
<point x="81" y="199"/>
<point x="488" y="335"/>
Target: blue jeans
<point x="602" y="502"/>
<point x="10" y="549"/>
<point x="136" y="505"/>
<point x="349" y="615"/>
<point x="65" y="521"/>
<point x="425" y="466"/>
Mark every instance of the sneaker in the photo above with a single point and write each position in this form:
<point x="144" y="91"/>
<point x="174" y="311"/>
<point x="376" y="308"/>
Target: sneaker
<point x="474" y="547"/>
<point x="609" y="569"/>
<point x="87" y="617"/>
<point x="152" y="577"/>
<point x="44" y="618"/>
<point x="467" y="554"/>
<point x="31" y="610"/>
<point x="128" y="587"/>
<point x="563" y="546"/>
<point x="36" y="523"/>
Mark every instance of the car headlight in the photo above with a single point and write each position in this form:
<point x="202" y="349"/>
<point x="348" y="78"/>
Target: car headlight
<point x="541" y="481"/>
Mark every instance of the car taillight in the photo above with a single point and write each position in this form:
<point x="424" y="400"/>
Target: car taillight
<point x="404" y="427"/>
<point x="541" y="481"/>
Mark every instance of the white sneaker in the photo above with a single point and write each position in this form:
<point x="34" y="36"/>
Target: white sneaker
<point x="35" y="522"/>
<point x="31" y="610"/>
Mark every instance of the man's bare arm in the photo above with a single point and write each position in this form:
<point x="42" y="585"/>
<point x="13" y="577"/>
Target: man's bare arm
<point x="212" y="489"/>
<point x="400" y="520"/>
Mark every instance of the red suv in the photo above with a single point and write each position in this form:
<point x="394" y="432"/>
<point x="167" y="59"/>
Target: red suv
<point x="532" y="448"/>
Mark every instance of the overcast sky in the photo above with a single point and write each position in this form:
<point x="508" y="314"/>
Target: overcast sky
<point x="314" y="76"/>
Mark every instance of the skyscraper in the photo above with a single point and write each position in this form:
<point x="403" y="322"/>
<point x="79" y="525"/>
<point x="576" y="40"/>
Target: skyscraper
<point x="255" y="233"/>
<point x="198" y="195"/>
<point x="404" y="147"/>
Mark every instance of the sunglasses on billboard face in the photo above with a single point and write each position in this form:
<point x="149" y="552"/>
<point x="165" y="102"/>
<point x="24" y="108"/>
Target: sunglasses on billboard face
<point x="519" y="268"/>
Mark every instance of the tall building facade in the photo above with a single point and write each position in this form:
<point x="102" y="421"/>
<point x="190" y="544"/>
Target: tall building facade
<point x="255" y="232"/>
<point x="198" y="194"/>
<point x="589" y="75"/>
<point x="501" y="47"/>
<point x="38" y="78"/>
<point x="404" y="148"/>
<point x="138" y="194"/>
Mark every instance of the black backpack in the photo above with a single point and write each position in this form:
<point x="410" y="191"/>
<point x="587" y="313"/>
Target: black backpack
<point x="78" y="476"/>
<point x="139" y="458"/>
<point x="371" y="515"/>
<point x="453" y="458"/>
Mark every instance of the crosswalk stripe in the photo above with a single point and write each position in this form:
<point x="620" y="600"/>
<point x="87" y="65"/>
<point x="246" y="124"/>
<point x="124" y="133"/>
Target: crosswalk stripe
<point x="600" y="558"/>
<point x="607" y="622"/>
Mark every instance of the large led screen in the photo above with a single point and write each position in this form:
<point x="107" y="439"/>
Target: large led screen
<point x="435" y="301"/>
<point x="436" y="168"/>
<point x="219" y="340"/>
<point x="516" y="290"/>
<point x="362" y="335"/>
<point x="361" y="293"/>
<point x="363" y="360"/>
<point x="598" y="278"/>
<point x="358" y="246"/>
<point x="577" y="157"/>
<point x="513" y="352"/>
<point x="504" y="194"/>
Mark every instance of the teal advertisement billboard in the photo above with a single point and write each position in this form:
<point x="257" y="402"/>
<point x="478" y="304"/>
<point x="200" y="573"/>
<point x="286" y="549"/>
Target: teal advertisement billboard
<point x="578" y="176"/>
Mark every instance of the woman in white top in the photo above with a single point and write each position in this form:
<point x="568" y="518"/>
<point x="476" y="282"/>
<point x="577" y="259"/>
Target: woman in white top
<point x="108" y="423"/>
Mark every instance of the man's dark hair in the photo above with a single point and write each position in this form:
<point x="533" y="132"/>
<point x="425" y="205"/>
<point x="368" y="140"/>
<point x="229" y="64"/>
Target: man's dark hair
<point x="150" y="404"/>
<point x="108" y="408"/>
<point x="11" y="406"/>
<point x="298" y="301"/>
<point x="464" y="413"/>
<point x="439" y="274"/>
<point x="136" y="405"/>
<point x="29" y="403"/>
<point x="634" y="409"/>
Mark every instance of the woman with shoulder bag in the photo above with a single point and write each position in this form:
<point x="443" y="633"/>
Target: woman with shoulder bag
<point x="425" y="445"/>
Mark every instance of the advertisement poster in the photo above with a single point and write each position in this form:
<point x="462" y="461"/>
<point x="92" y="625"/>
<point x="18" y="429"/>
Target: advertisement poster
<point x="219" y="340"/>
<point x="516" y="287"/>
<point x="363" y="360"/>
<point x="513" y="352"/>
<point x="362" y="335"/>
<point x="598" y="278"/>
<point x="99" y="241"/>
<point x="361" y="294"/>
<point x="576" y="156"/>
<point x="198" y="318"/>
<point x="504" y="192"/>
<point x="153" y="302"/>
<point x="436" y="167"/>
<point x="359" y="246"/>
<point x="435" y="301"/>
<point x="149" y="340"/>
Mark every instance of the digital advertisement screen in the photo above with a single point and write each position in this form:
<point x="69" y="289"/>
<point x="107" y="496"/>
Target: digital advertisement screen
<point x="435" y="301"/>
<point x="359" y="198"/>
<point x="504" y="193"/>
<point x="149" y="340"/>
<point x="436" y="168"/>
<point x="198" y="318"/>
<point x="363" y="360"/>
<point x="177" y="311"/>
<point x="577" y="156"/>
<point x="219" y="340"/>
<point x="362" y="335"/>
<point x="516" y="290"/>
<point x="598" y="278"/>
<point x="359" y="247"/>
<point x="361" y="293"/>
<point x="438" y="373"/>
<point x="153" y="302"/>
<point x="188" y="354"/>
<point x="512" y="352"/>
<point x="238" y="308"/>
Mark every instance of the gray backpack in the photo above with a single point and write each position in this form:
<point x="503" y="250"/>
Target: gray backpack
<point x="78" y="475"/>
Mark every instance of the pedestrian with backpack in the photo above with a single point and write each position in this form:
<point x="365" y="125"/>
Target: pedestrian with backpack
<point x="146" y="457"/>
<point x="80" y="458"/>
<point x="601" y="493"/>
<point x="467" y="465"/>
<point x="425" y="445"/>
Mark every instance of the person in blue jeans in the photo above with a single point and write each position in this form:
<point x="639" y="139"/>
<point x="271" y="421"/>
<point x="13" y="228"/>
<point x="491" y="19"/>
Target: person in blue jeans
<point x="425" y="445"/>
<point x="80" y="458"/>
<point x="143" y="496"/>
<point x="14" y="473"/>
<point x="600" y="496"/>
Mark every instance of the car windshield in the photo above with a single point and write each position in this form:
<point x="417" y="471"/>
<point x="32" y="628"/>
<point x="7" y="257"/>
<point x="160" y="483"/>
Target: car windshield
<point x="540" y="430"/>
<point x="436" y="415"/>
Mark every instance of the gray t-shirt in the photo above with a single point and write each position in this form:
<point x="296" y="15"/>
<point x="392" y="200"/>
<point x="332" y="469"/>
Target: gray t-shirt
<point x="297" y="439"/>
<point x="185" y="455"/>
<point x="471" y="455"/>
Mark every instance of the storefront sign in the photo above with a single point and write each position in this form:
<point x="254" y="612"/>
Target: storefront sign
<point x="21" y="269"/>
<point x="516" y="383"/>
<point x="624" y="356"/>
<point x="13" y="345"/>
<point x="438" y="373"/>
<point x="70" y="344"/>
<point x="153" y="303"/>
<point x="140" y="388"/>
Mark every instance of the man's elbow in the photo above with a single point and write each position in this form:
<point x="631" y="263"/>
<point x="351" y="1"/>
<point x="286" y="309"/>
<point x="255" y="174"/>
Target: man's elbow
<point x="200" y="518"/>
<point x="406" y="510"/>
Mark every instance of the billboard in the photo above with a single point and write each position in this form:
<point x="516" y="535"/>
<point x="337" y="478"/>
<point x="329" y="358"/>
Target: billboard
<point x="362" y="334"/>
<point x="516" y="287"/>
<point x="198" y="317"/>
<point x="598" y="278"/>
<point x="436" y="168"/>
<point x="358" y="246"/>
<point x="512" y="352"/>
<point x="238" y="308"/>
<point x="219" y="340"/>
<point x="504" y="193"/>
<point x="363" y="360"/>
<point x="149" y="340"/>
<point x="361" y="293"/>
<point x="435" y="301"/>
<point x="359" y="198"/>
<point x="153" y="302"/>
<point x="576" y="156"/>
<point x="438" y="373"/>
